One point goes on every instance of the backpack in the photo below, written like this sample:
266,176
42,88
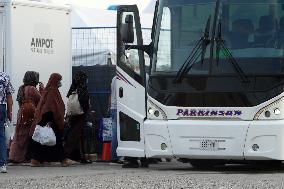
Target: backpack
73,105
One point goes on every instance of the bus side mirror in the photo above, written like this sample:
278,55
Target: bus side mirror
127,30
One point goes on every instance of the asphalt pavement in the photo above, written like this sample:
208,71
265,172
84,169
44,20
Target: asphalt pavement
162,175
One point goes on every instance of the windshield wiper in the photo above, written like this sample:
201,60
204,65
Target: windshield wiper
198,50
221,46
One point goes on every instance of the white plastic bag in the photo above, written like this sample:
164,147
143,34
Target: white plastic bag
9,132
44,135
73,105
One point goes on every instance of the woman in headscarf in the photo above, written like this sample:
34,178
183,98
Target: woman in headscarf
74,138
50,111
28,98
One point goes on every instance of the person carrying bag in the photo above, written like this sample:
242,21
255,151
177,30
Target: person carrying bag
73,105
44,135
78,106
50,112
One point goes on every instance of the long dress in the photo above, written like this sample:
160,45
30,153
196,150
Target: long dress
74,146
20,142
43,153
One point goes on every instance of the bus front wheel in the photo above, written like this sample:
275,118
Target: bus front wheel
206,163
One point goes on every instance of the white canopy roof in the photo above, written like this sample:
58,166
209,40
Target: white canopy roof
92,17
94,13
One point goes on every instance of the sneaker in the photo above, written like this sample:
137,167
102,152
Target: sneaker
84,161
118,161
130,165
144,164
3,169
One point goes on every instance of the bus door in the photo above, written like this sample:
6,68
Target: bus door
130,83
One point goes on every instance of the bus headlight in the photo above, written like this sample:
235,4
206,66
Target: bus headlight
151,111
272,111
154,112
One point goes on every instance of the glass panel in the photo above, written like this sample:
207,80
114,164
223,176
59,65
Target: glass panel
131,56
164,52
181,29
253,31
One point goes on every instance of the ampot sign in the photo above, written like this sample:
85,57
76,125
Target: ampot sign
42,46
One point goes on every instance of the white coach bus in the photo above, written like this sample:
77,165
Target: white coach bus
216,81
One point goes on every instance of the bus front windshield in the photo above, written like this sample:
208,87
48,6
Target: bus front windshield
252,30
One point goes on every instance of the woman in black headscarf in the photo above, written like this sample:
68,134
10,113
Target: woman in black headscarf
74,138
28,97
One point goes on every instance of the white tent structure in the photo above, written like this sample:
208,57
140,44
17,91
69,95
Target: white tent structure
92,17
150,8
94,13
93,33
96,46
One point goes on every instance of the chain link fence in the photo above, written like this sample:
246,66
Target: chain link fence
97,45
92,50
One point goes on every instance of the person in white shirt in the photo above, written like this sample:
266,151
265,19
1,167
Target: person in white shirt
6,103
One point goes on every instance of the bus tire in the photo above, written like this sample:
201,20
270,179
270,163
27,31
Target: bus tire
269,164
206,163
